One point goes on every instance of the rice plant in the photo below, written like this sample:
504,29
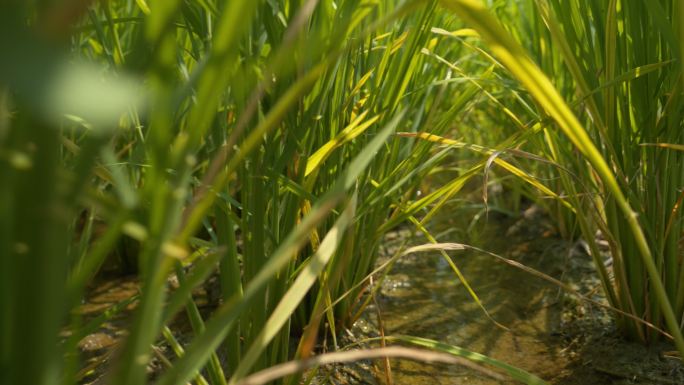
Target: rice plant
611,84
634,116
274,143
251,137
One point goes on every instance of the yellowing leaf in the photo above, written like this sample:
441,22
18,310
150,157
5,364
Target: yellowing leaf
354,129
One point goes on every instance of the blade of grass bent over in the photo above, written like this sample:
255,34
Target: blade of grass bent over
512,371
269,375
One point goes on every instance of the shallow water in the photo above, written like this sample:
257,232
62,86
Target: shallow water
423,297
542,330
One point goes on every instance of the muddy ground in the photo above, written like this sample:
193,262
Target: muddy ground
552,334
543,329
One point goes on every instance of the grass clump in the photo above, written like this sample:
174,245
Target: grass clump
186,135
612,89
276,142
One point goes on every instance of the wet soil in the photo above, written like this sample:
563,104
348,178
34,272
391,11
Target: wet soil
98,350
543,330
